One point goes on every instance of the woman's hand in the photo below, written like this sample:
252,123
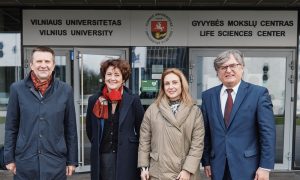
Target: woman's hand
145,173
184,175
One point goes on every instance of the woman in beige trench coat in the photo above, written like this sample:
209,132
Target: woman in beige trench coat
172,133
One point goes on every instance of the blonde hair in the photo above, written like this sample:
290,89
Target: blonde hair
185,98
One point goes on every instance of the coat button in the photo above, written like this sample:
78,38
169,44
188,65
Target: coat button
41,136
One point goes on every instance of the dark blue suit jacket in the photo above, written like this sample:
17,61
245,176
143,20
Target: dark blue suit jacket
249,140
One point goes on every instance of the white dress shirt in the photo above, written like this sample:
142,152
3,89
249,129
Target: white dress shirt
224,95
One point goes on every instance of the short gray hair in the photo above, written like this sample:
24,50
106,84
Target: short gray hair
224,56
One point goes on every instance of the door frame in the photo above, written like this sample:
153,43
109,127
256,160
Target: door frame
78,97
290,84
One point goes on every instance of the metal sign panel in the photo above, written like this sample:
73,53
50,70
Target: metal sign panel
243,28
160,28
76,27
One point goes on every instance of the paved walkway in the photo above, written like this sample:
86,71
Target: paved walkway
290,175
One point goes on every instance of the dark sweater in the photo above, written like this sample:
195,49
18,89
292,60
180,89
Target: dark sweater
110,131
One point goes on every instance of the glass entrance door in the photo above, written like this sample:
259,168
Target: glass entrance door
87,81
271,68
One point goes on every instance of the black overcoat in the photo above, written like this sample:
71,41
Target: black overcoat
40,132
131,116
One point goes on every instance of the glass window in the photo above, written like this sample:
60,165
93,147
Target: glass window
60,68
148,64
10,71
297,124
10,57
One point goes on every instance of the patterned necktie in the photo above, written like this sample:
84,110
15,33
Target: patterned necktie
228,107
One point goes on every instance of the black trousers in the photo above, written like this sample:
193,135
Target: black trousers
108,166
227,175
2,166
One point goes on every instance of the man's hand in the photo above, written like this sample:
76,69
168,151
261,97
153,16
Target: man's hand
184,175
207,171
262,174
70,170
11,167
144,173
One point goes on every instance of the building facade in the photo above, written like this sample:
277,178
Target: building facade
152,40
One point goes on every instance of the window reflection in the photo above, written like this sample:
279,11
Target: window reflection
297,124
60,68
148,64
10,71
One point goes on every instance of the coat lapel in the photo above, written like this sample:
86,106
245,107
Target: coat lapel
242,92
182,114
217,104
125,105
167,113
178,119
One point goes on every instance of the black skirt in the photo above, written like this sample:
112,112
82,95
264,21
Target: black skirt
108,166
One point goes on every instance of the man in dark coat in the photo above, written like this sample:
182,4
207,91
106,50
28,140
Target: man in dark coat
40,130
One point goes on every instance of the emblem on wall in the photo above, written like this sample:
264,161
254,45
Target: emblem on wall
159,28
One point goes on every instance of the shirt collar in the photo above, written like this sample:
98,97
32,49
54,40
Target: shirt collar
235,88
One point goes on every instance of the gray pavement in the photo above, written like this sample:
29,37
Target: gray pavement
277,175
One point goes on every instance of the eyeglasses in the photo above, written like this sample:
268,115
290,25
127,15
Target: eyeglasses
231,66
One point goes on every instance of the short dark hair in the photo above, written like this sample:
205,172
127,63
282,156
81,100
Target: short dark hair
123,65
42,49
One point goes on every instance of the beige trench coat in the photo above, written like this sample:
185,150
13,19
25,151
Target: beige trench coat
168,143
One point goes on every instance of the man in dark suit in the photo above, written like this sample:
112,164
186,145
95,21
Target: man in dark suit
239,124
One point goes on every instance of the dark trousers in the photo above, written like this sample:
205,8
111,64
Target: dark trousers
2,166
227,175
108,166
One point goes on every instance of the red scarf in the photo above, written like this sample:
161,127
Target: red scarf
40,86
100,109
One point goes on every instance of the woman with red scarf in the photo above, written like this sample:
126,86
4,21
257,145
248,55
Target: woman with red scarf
113,121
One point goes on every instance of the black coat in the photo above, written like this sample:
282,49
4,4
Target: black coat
130,119
40,132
